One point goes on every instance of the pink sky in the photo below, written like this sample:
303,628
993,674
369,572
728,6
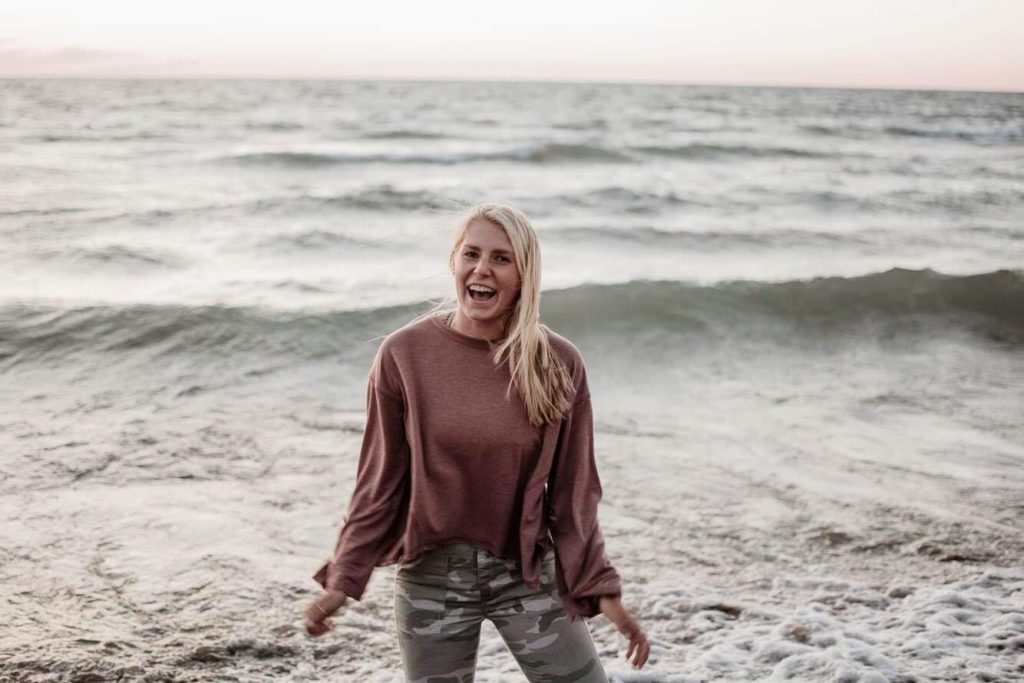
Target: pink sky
871,43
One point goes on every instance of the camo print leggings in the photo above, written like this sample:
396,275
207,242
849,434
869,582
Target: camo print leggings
443,596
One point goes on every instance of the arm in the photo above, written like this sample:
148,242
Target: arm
583,571
375,518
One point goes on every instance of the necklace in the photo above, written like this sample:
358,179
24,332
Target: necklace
448,318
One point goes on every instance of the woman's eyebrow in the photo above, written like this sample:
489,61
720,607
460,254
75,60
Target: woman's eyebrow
496,251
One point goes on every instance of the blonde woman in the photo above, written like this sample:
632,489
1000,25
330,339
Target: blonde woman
477,477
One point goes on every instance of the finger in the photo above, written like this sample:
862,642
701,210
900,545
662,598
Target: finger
639,643
314,628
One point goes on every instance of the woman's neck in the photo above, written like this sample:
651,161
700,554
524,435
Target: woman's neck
471,328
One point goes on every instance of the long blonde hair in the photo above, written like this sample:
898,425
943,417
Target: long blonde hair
539,374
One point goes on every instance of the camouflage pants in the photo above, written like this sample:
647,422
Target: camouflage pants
442,598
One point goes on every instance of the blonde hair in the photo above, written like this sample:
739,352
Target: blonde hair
539,374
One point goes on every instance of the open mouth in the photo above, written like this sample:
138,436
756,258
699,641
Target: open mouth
481,293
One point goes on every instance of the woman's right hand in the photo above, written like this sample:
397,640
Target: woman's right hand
318,613
612,607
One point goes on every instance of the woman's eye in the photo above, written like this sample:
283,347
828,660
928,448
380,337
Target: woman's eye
473,254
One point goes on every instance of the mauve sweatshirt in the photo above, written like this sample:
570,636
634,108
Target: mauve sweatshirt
447,458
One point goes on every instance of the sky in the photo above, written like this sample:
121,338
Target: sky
961,45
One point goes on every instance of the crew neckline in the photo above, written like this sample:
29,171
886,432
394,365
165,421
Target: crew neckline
462,338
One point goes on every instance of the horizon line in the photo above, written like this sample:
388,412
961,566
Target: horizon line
399,79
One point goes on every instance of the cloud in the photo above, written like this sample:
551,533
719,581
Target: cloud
77,60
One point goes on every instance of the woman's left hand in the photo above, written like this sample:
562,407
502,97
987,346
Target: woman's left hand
318,613
612,607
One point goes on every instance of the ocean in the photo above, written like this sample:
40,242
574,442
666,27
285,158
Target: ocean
802,313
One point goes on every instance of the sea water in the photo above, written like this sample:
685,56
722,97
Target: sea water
802,312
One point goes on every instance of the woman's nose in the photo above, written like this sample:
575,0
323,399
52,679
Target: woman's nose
481,267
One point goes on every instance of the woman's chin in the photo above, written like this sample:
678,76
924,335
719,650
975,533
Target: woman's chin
481,311
472,305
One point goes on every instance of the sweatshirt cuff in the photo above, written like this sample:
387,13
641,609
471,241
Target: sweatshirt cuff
332,577
586,606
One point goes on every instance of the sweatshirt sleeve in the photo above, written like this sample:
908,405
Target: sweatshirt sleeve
582,569
374,523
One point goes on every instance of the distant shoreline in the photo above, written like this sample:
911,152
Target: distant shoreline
517,81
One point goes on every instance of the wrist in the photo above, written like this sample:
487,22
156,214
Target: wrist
335,599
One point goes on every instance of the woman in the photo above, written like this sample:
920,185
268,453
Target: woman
477,476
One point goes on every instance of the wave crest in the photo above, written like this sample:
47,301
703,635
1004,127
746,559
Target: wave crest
901,301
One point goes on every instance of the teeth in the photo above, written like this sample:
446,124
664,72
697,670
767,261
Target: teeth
480,288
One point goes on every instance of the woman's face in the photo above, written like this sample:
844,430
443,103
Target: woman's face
485,261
